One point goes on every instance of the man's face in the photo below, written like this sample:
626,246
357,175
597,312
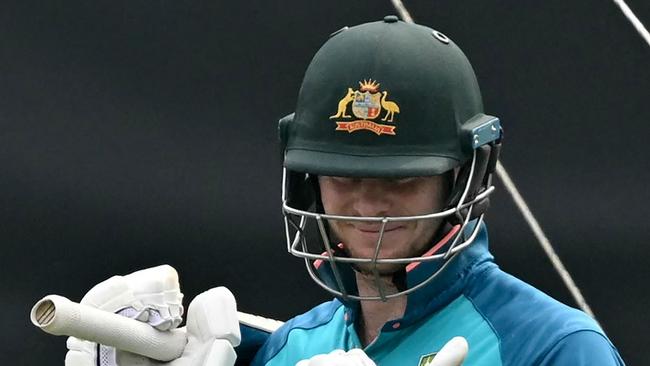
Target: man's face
378,197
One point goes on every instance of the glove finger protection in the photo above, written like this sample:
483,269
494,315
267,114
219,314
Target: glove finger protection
158,290
453,353
212,330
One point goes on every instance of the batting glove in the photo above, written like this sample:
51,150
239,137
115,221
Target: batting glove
153,296
354,357
452,354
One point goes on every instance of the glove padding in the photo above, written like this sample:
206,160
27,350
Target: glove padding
153,296
452,354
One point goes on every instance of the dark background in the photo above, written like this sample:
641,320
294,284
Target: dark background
135,133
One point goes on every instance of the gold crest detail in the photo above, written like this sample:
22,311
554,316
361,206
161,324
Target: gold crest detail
426,360
368,103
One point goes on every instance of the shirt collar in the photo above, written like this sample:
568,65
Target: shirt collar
451,281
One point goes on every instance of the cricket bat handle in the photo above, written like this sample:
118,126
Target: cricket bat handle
59,316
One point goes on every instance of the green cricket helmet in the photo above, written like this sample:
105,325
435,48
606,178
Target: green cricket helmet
385,99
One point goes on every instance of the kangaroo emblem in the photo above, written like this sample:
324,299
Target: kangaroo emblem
343,105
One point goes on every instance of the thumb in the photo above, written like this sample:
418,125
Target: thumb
453,353
213,315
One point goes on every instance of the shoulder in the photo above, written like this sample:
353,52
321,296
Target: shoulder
528,323
301,330
583,348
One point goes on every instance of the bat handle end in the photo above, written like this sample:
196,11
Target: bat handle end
45,311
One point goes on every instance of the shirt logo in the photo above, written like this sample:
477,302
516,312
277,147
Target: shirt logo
368,103
427,359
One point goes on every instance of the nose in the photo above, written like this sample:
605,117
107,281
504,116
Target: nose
372,198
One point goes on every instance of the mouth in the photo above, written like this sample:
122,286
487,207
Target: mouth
376,229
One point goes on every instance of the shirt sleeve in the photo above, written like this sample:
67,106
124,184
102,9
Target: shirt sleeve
252,340
581,349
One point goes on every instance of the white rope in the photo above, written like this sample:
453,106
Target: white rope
401,9
543,240
629,14
525,211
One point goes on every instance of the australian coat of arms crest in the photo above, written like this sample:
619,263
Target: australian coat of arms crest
368,103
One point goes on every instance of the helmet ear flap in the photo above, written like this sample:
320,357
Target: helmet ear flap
301,190
480,170
480,180
486,158
283,131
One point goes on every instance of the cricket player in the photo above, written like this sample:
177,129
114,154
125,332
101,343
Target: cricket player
388,161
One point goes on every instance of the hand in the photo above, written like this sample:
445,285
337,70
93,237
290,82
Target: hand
354,357
153,296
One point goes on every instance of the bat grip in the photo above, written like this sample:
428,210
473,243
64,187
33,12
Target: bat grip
59,316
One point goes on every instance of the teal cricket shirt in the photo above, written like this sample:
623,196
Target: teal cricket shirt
505,321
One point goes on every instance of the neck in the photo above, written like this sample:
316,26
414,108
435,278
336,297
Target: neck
374,314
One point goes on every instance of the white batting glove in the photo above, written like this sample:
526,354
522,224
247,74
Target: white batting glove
354,357
153,296
453,353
